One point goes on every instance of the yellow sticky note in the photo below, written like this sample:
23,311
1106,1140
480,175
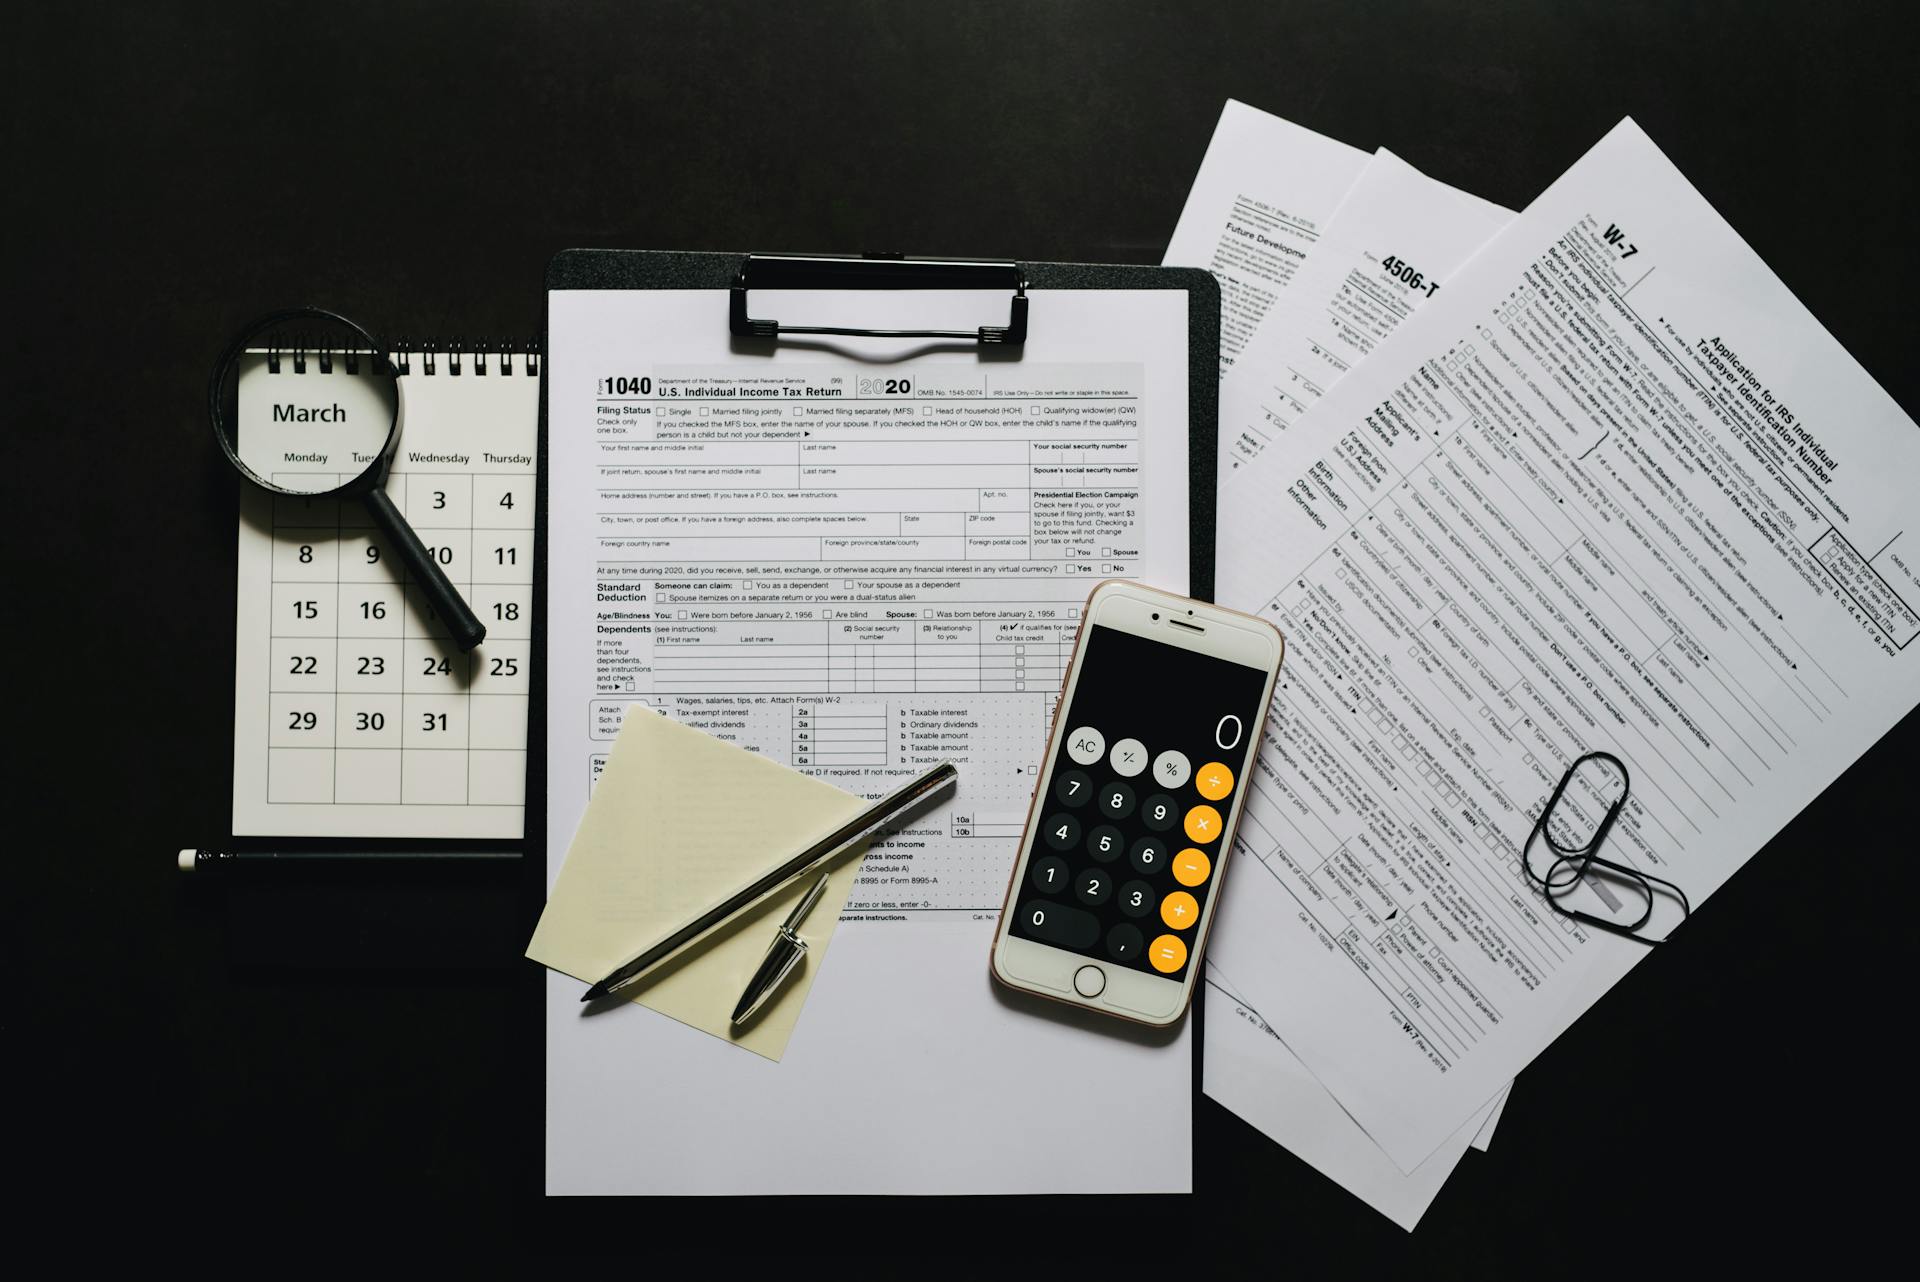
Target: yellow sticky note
680,820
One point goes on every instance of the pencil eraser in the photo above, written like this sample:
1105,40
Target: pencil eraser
187,859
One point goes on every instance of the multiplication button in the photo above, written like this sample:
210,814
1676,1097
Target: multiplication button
1086,745
1203,824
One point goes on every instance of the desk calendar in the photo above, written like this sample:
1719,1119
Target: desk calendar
354,716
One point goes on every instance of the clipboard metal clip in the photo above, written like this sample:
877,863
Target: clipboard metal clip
877,271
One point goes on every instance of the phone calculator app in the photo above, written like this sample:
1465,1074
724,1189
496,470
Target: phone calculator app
1128,845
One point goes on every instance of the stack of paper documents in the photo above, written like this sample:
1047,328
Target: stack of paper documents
1516,489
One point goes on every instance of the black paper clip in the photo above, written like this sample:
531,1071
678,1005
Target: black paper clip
1574,866
878,271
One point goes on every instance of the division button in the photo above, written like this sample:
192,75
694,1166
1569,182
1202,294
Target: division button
1159,812
1203,824
1214,781
1167,954
1062,832
1073,787
1171,769
1061,924
1129,758
1191,867
1094,887
1049,874
1091,981
1085,745
1116,800
1179,910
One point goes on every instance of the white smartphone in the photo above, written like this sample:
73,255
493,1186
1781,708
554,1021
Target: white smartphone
1133,814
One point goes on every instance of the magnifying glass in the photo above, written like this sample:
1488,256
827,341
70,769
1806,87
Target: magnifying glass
326,428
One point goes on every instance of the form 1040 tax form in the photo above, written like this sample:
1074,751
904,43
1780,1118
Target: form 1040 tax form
860,564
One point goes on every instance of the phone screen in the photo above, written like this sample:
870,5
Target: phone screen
1128,844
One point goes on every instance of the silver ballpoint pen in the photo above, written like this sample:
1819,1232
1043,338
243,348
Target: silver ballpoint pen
878,821
783,954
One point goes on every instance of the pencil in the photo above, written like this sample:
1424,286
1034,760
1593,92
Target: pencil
206,861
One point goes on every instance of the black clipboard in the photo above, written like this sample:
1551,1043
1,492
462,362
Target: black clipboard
753,283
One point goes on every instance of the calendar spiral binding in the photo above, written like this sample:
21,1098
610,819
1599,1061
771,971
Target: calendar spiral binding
410,351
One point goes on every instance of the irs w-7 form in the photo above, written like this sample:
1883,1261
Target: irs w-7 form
859,565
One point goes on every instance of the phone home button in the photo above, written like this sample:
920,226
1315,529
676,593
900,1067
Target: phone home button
1089,981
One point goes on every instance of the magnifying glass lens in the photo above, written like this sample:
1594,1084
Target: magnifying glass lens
306,402
309,407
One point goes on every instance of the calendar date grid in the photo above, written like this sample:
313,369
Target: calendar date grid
369,702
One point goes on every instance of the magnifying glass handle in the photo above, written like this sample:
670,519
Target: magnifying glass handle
466,630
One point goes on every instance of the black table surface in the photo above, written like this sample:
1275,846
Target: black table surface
279,1066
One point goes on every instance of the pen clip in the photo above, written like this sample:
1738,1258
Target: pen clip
783,954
